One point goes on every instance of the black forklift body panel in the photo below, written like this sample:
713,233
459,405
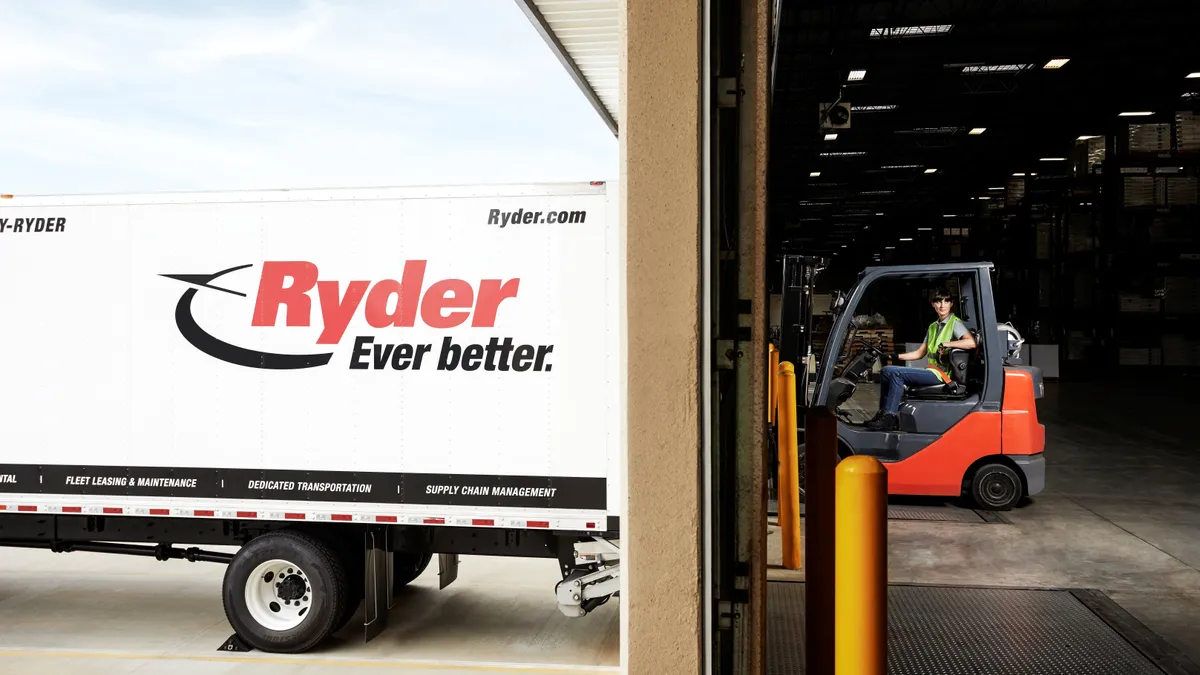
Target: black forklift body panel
923,419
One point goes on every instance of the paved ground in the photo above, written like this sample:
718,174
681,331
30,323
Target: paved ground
92,613
1121,513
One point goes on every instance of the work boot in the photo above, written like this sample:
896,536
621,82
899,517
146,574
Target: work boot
885,422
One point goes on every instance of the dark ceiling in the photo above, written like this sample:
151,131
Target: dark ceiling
1126,55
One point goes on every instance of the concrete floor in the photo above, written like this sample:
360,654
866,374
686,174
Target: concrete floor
93,613
1121,513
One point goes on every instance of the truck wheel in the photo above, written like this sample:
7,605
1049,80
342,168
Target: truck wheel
996,487
284,592
354,562
407,566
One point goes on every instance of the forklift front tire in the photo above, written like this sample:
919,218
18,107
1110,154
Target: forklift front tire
996,487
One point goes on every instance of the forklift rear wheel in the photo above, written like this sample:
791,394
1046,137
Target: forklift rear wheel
996,487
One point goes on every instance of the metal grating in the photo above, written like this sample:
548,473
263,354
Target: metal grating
946,514
934,630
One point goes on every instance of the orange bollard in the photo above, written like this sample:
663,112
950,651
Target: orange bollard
789,467
772,385
860,577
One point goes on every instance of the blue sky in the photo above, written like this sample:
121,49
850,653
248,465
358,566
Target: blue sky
124,95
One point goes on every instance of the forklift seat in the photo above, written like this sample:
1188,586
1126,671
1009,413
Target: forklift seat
963,364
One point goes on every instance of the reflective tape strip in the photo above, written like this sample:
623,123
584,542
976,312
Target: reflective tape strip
476,521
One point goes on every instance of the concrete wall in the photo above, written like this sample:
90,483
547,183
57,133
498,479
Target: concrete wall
661,199
752,286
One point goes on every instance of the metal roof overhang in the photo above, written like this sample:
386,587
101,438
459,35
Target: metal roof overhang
584,35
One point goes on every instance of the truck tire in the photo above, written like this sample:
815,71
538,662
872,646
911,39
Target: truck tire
996,487
407,566
354,562
284,592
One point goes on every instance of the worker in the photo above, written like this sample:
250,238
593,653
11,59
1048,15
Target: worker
948,332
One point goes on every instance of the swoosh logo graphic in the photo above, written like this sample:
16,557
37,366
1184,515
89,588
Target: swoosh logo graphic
219,349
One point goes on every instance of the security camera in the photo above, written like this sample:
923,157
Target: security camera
835,115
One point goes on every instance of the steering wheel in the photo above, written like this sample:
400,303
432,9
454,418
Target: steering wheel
870,347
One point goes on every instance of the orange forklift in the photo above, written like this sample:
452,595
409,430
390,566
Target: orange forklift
976,436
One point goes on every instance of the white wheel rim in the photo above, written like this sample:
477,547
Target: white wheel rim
279,595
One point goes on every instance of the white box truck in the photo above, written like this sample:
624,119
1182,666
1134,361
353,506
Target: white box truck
340,383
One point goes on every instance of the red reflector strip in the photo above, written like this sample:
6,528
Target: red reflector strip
341,516
591,526
435,521
72,509
247,514
26,508
537,523
3,507
200,512
116,510
294,516
385,519
480,521
160,512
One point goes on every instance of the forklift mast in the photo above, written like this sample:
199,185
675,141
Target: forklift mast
795,342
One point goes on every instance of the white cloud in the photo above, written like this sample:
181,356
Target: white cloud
126,95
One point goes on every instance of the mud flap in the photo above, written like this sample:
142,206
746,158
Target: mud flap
447,569
377,595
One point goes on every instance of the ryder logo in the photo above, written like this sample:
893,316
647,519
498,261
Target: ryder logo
291,288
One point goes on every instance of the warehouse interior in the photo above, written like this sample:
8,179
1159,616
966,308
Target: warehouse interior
1060,141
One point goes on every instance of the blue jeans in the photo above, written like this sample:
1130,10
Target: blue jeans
894,378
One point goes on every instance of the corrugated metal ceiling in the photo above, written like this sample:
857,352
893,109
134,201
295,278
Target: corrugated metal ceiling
584,36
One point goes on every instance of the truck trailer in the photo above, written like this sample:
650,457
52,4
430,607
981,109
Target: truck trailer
339,383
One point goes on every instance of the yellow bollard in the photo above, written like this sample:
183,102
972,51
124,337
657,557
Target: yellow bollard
860,577
789,473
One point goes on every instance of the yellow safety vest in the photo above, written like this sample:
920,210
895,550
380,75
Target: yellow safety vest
933,339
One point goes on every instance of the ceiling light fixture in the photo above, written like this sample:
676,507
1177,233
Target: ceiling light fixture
1193,76
1086,138
925,229
843,246
856,75
1019,175
905,238
890,248
1054,64
950,215
930,130
910,31
814,174
831,137
879,214
846,153
1006,68
996,188
977,131
931,170
902,166
1054,159
1139,113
